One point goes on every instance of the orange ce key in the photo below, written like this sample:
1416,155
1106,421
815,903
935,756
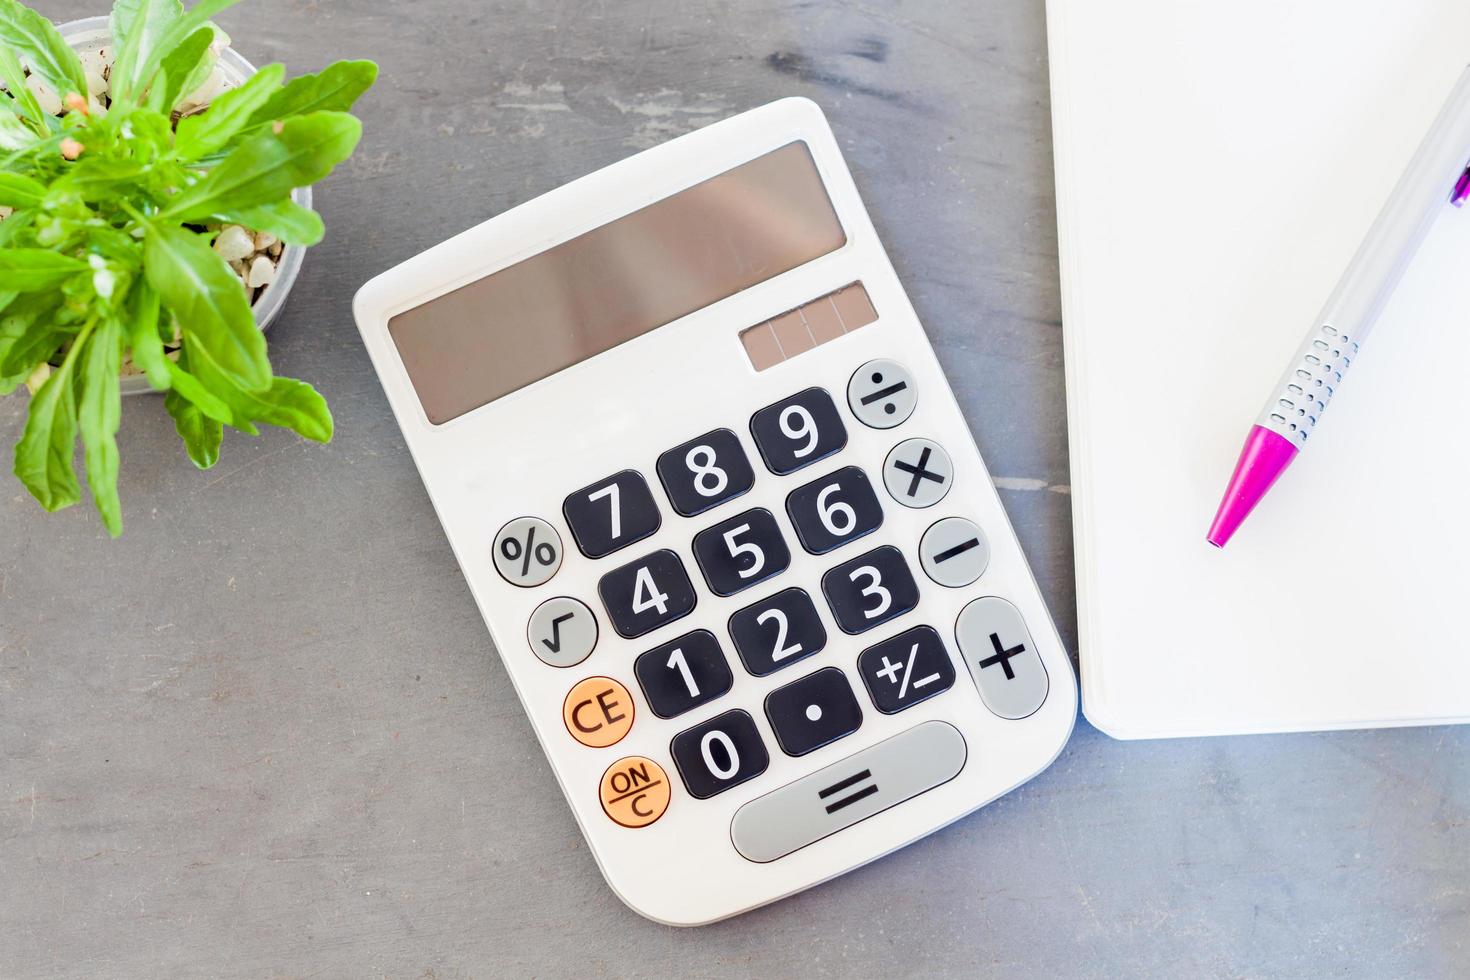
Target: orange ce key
635,791
598,712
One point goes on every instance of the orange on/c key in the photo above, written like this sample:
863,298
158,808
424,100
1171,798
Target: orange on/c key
635,791
598,712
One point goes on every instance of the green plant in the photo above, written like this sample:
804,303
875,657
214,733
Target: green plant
107,253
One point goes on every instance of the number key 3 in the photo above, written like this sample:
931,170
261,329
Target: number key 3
870,589
705,472
611,513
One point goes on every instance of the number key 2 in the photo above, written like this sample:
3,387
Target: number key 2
798,431
834,510
705,472
740,551
683,674
645,594
611,513
870,589
777,632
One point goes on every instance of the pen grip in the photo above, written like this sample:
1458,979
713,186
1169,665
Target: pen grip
1307,387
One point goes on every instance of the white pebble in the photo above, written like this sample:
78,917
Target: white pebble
96,59
96,84
206,93
234,243
49,100
264,240
262,272
5,212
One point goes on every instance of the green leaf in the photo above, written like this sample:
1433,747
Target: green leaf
93,178
334,89
179,66
14,133
35,41
268,166
192,389
14,78
17,191
209,303
288,403
202,435
27,270
143,337
287,220
202,134
99,412
173,35
43,454
28,335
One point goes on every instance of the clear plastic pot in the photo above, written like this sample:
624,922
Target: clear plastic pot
94,32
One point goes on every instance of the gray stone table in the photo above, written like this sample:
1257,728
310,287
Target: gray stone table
265,734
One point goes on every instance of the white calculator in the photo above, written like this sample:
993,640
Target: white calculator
723,517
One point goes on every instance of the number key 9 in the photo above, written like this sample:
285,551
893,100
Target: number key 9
798,431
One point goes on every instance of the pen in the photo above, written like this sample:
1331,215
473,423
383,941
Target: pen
1439,174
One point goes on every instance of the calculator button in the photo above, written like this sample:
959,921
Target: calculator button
705,472
611,513
1002,657
834,510
812,712
527,552
562,632
598,712
740,551
645,594
848,792
719,754
635,791
798,431
881,394
870,589
683,673
911,667
918,473
777,632
954,552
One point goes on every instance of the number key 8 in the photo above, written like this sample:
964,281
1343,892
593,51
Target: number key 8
705,472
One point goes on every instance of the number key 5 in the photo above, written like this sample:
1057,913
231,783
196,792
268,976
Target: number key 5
705,472
741,551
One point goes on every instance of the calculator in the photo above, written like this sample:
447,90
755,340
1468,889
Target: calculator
723,517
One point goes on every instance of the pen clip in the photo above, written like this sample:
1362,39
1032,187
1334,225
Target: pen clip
1461,192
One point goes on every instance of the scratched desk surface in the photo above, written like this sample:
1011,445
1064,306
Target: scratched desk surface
265,734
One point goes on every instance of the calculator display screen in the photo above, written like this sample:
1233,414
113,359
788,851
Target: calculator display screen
609,285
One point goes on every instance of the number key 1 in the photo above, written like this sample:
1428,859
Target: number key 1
705,472
683,674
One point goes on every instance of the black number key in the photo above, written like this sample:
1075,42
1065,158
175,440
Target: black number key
740,551
777,632
834,510
812,712
611,513
911,667
645,594
683,673
705,472
798,431
723,752
870,589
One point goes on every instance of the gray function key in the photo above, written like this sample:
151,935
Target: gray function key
847,792
562,632
1002,657
954,552
881,394
918,473
527,552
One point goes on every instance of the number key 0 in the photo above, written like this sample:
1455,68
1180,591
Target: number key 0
705,472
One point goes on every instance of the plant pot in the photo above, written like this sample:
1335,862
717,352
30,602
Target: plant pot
92,33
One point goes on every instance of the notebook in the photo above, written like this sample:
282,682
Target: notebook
1217,166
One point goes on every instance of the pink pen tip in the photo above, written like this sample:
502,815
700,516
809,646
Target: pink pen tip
1263,459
